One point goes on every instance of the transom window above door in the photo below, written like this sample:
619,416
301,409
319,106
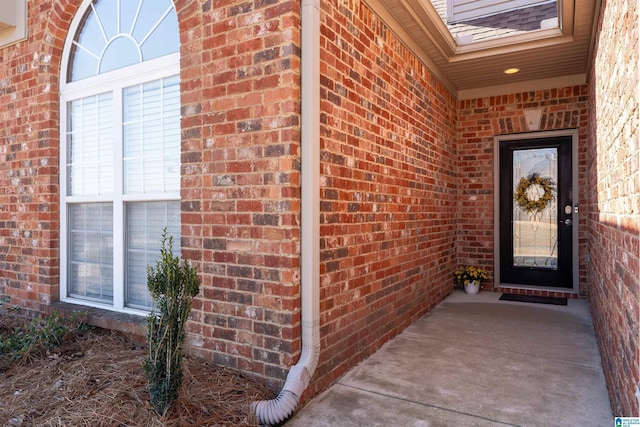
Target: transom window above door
120,150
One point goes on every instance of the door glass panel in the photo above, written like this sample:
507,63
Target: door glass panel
535,212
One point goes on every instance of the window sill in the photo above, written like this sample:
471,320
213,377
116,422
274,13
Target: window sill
134,327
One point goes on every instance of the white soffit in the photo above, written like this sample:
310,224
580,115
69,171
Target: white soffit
525,86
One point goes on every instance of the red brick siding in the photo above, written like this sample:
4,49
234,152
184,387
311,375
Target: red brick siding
240,67
388,187
407,185
29,141
479,121
240,173
614,194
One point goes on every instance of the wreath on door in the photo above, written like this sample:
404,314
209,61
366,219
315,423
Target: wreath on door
534,193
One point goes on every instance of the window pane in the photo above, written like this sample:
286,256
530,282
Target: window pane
92,40
84,64
106,41
140,140
91,251
151,16
144,224
152,137
107,11
128,15
90,146
132,105
158,44
121,52
535,232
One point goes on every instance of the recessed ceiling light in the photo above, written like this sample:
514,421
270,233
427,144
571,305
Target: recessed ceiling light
511,70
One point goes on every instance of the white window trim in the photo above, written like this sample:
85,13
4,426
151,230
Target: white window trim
142,72
100,85
113,81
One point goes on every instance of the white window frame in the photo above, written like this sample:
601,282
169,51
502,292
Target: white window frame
115,82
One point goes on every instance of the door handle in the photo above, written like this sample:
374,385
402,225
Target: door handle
568,222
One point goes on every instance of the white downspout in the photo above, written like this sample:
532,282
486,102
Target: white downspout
270,412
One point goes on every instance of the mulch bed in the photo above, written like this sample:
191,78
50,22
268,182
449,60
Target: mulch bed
96,379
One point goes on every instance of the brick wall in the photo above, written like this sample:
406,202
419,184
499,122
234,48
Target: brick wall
240,173
29,138
614,190
388,196
479,121
407,181
240,65
387,190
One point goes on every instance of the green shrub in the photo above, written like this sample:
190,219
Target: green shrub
33,339
6,311
172,286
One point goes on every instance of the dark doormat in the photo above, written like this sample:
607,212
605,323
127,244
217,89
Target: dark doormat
533,299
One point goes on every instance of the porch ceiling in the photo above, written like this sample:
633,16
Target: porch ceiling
546,58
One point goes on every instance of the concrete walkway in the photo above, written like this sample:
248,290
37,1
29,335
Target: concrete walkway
476,361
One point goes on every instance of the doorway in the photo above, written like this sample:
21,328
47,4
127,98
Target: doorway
537,211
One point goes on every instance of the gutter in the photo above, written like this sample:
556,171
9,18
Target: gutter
275,411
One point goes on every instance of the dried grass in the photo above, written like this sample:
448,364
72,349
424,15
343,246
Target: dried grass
96,379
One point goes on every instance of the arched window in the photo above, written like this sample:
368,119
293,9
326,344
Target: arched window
120,149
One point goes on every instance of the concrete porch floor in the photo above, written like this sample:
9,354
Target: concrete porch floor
476,361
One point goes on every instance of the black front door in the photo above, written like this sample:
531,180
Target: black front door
536,212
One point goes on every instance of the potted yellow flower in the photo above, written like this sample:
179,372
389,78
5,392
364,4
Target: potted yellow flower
470,277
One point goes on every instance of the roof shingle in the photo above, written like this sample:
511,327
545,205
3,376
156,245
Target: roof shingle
499,25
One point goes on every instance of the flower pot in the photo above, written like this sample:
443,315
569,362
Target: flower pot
472,287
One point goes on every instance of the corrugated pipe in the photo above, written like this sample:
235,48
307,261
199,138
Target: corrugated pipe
272,412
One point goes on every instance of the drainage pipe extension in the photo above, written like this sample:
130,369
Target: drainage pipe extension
270,412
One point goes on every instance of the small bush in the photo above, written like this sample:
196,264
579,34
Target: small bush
6,313
172,286
35,338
